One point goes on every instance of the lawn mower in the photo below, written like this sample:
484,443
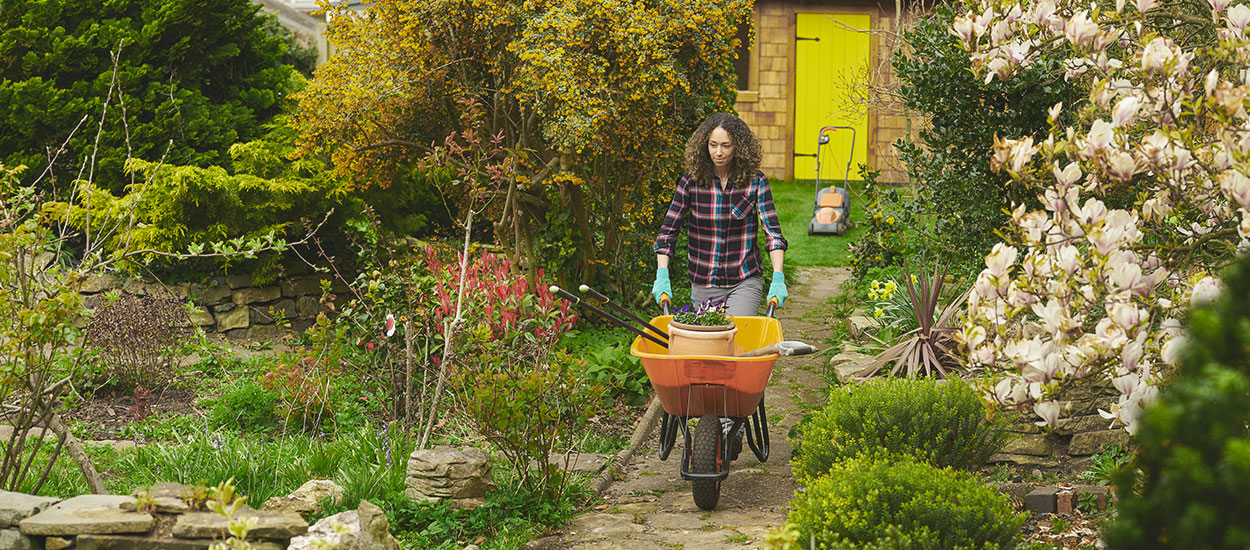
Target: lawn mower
831,215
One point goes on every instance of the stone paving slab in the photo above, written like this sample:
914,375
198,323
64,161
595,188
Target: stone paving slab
15,507
87,514
130,542
273,525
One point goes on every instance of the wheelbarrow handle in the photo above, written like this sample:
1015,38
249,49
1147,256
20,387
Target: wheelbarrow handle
601,300
772,307
612,318
666,305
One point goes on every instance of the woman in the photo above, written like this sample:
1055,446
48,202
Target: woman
725,197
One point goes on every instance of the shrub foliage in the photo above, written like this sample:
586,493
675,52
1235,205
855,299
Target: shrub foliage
899,503
1193,447
940,423
202,75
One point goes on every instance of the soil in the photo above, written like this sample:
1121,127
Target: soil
106,413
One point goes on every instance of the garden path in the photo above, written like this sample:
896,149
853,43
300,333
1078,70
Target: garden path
651,507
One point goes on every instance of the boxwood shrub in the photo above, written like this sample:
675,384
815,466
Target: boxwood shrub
942,423
900,503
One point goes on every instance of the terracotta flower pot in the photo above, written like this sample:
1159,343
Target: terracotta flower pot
686,339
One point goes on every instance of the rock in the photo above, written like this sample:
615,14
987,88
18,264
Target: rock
12,539
448,472
244,296
236,318
365,528
307,306
471,547
1082,424
1092,442
15,507
130,542
263,332
849,364
1041,500
87,514
550,542
214,294
239,281
142,288
466,503
307,499
269,525
57,543
201,317
1028,444
1022,460
167,495
301,286
100,283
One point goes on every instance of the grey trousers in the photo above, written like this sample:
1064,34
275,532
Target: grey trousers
741,299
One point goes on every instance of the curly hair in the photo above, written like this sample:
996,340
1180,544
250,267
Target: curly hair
747,151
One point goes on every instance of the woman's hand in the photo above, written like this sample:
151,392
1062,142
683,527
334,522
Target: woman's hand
661,286
778,289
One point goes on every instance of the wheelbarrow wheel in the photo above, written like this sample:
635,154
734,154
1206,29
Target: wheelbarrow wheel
704,457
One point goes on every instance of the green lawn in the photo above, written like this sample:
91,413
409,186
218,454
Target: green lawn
794,201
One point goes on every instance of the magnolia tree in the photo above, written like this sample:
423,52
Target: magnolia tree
1143,190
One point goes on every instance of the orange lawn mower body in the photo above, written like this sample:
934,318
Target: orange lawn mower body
831,214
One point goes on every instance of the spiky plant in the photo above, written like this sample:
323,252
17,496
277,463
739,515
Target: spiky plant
929,347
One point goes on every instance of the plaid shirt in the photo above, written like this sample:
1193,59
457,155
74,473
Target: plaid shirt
722,229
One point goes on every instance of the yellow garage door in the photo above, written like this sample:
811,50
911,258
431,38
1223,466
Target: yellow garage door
830,57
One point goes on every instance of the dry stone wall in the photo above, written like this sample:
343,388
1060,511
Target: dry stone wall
235,306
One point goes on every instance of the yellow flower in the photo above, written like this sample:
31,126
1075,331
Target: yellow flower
890,220
913,279
877,313
872,295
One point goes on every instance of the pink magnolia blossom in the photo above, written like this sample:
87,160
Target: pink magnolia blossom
1218,5
1206,291
1001,258
1144,6
1122,165
1080,30
1157,54
1237,186
1125,111
1049,411
1239,18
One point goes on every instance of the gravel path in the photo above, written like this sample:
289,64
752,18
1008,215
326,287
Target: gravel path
650,506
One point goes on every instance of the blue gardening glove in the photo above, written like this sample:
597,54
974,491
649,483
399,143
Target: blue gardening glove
661,285
778,289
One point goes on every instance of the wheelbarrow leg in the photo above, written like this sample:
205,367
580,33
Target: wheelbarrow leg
757,433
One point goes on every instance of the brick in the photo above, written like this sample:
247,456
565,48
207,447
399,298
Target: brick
1041,500
772,49
1064,501
772,77
1101,495
764,118
770,91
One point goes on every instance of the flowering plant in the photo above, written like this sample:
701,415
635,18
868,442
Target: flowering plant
706,314
1142,196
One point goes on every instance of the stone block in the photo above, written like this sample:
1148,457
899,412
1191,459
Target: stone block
201,317
1082,424
100,283
279,525
239,281
284,308
12,539
232,319
1023,460
236,334
214,294
144,288
57,543
130,542
167,495
365,528
244,296
1041,500
15,507
307,499
1028,444
263,332
301,286
87,514
307,306
1093,442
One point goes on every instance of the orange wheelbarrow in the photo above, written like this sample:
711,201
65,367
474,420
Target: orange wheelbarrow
725,393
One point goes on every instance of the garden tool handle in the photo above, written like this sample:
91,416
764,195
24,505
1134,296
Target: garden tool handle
666,305
602,300
612,318
772,307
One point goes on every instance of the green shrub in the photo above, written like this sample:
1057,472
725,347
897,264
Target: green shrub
1193,446
900,503
249,406
941,423
615,368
